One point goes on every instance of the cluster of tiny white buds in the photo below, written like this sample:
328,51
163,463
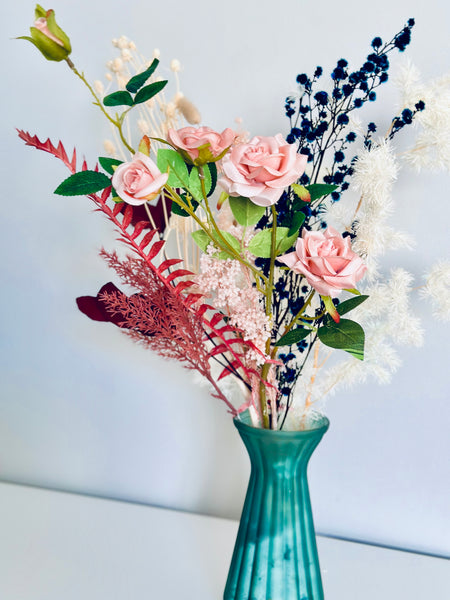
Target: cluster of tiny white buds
115,65
122,42
126,55
175,65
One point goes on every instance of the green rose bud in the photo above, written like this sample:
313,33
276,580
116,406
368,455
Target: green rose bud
47,36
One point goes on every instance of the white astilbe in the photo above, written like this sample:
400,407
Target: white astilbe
437,289
231,289
375,171
431,149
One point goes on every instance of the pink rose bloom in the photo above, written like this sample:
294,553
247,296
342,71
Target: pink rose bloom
139,180
326,260
261,169
190,139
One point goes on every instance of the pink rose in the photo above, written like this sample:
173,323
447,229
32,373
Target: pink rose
326,260
201,144
261,169
139,180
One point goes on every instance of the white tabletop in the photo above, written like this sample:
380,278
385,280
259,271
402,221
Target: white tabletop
60,546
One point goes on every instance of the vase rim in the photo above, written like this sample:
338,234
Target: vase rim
319,428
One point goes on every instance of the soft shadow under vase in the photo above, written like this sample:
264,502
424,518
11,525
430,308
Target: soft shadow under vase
275,555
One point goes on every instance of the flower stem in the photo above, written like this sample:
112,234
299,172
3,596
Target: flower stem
116,122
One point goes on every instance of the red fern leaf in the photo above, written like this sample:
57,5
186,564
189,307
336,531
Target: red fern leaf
191,299
105,194
47,146
184,285
216,319
127,216
117,208
220,349
147,239
138,229
229,370
154,249
178,273
170,262
84,166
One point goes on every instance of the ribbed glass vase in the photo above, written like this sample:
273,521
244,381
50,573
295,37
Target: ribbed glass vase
275,555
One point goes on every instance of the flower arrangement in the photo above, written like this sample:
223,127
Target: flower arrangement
235,270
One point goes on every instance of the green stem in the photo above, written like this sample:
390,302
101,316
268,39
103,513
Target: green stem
268,293
116,122
224,245
296,318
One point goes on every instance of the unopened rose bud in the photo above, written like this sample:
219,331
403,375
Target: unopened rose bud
47,36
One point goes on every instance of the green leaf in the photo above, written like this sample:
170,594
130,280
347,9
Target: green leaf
297,221
245,211
195,185
212,167
202,239
346,335
261,244
136,82
108,163
121,98
169,160
287,241
149,91
350,304
83,183
232,241
180,211
347,306
318,190
293,336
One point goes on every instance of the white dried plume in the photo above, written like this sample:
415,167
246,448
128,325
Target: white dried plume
431,149
375,171
437,289
188,110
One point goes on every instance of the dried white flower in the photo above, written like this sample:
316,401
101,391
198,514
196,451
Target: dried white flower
144,126
188,110
437,289
99,88
109,147
431,149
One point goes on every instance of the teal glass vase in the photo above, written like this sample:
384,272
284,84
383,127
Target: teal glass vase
275,555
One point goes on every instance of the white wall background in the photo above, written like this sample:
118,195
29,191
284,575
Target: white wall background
83,409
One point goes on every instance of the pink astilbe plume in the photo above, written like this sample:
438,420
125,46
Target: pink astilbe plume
159,319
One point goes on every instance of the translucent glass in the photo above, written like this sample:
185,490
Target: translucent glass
275,556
